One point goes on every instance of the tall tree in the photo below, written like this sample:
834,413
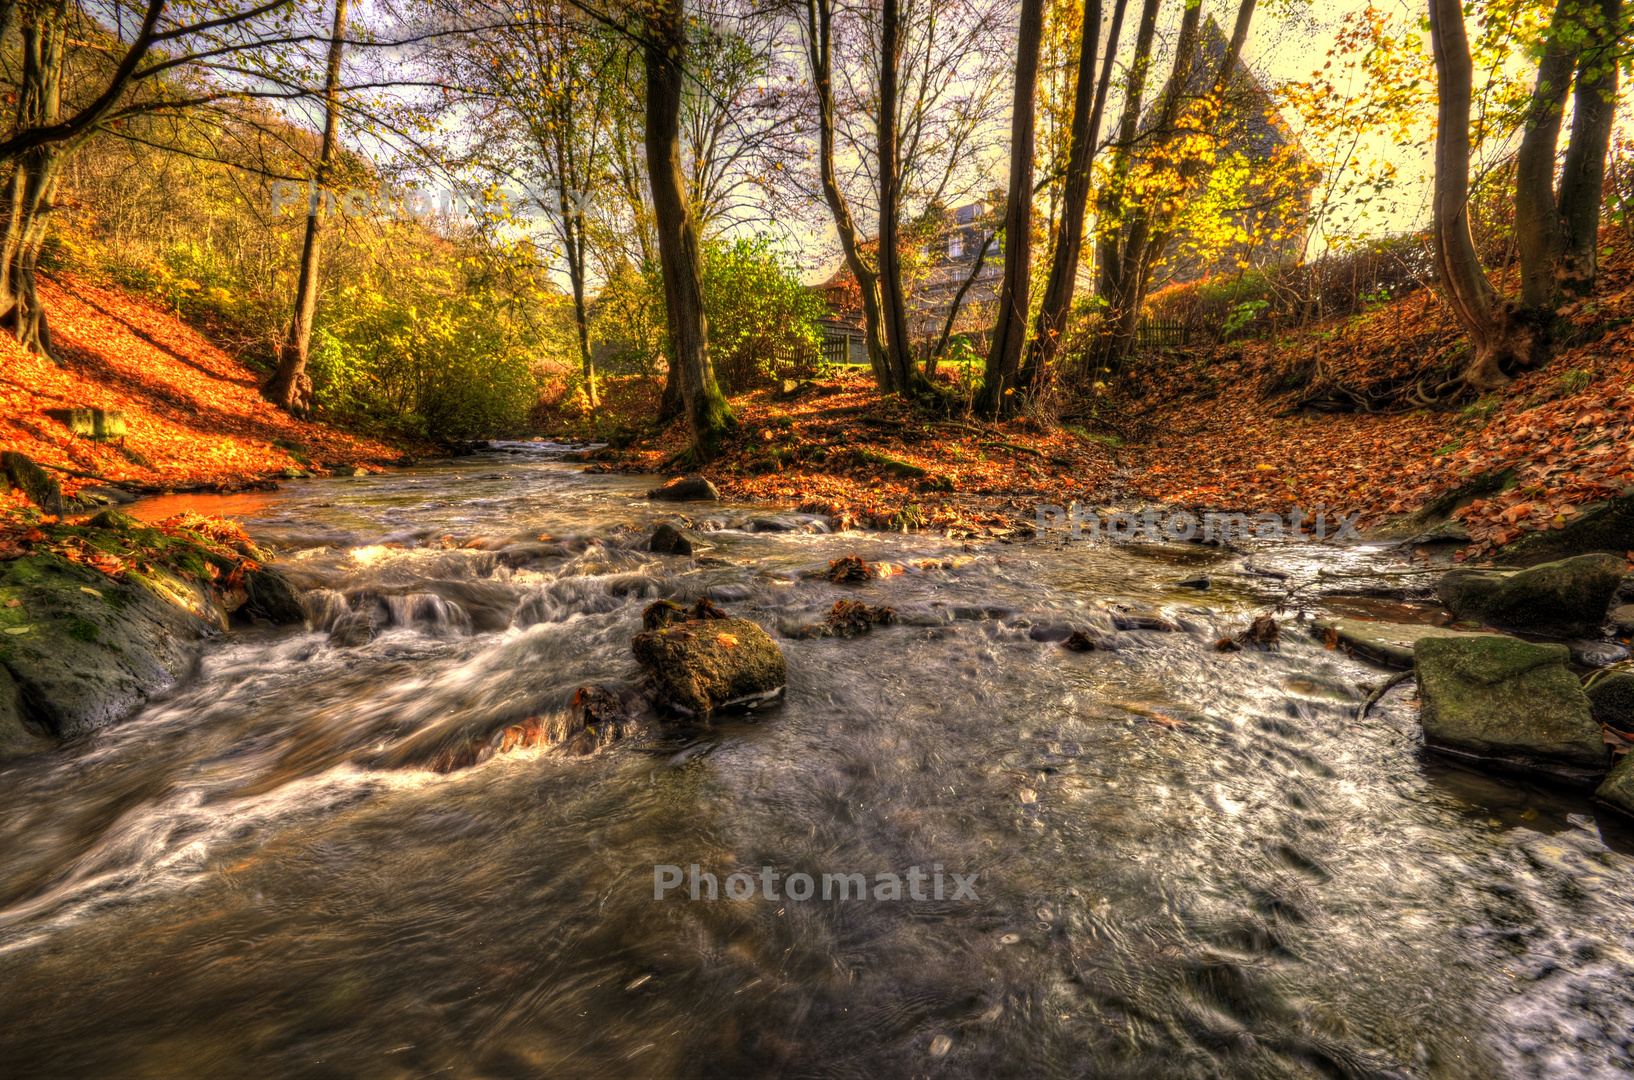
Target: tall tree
1109,207
289,388
1089,101
1497,339
664,52
893,300
1010,329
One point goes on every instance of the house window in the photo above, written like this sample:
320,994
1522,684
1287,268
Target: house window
955,245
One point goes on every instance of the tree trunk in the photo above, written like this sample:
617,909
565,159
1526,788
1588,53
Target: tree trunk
1136,258
1109,210
1497,340
581,311
679,250
1010,328
1583,177
819,16
289,388
1197,167
893,302
1089,99
32,185
1539,231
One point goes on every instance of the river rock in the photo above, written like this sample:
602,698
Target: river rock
271,595
1617,789
1562,599
1596,653
701,665
42,490
1613,700
1622,619
1499,697
686,489
81,650
669,539
355,629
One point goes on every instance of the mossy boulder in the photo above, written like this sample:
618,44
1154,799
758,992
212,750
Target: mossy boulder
42,489
80,650
1568,598
1506,699
1613,701
704,664
1617,789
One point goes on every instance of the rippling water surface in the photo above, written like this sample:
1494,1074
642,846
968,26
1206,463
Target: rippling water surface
1191,864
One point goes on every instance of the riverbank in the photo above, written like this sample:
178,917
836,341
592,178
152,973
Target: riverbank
1329,416
193,415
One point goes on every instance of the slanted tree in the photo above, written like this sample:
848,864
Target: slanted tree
1110,205
819,33
1131,232
76,79
1499,341
1089,101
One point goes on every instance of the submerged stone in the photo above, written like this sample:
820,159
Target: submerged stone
1386,643
1502,698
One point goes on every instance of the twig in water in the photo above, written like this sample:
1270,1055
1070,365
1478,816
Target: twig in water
1373,699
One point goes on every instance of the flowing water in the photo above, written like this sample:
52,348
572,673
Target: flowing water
1187,863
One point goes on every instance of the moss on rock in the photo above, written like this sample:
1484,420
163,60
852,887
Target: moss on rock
1512,700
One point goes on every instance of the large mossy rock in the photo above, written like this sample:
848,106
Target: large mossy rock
80,650
1618,787
1603,526
1507,699
703,664
1568,598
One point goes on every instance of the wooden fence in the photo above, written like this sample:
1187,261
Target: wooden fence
1157,333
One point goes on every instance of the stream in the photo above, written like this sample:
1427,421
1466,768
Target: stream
1185,863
